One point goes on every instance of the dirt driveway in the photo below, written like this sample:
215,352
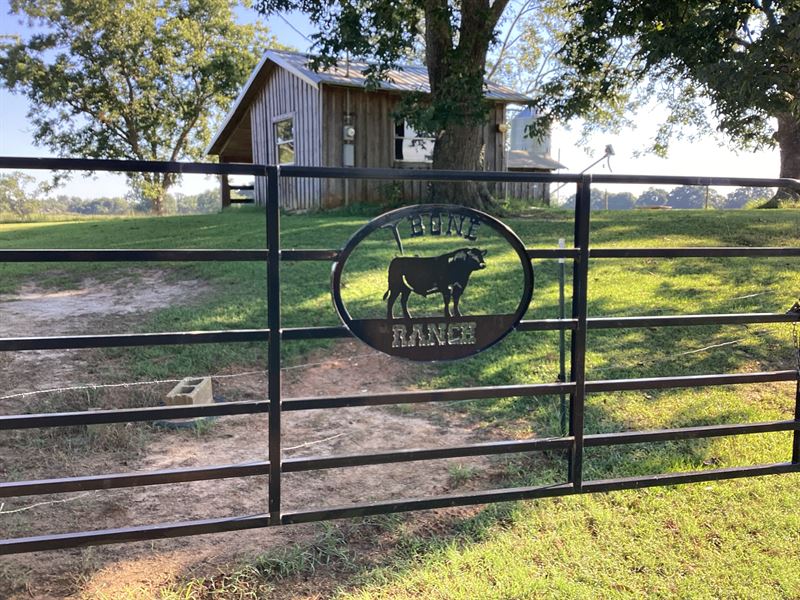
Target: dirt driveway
108,570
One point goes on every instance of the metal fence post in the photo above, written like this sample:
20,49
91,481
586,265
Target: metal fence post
796,435
562,338
274,347
580,279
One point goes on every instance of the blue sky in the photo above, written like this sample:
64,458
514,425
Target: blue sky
703,157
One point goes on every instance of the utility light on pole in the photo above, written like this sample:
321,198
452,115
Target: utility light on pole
608,152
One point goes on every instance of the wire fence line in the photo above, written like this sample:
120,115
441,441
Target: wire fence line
44,503
706,348
98,386
95,386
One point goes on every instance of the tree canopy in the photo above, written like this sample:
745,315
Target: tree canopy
652,197
138,80
739,58
741,197
16,193
457,36
692,196
526,58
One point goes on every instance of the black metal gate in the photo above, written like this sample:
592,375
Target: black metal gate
577,387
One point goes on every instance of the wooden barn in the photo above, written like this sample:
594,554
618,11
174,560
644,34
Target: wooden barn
289,114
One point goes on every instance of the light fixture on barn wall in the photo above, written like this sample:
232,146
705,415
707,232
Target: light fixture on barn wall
348,141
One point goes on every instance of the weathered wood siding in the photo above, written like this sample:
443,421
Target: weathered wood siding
494,151
318,135
374,146
529,191
285,94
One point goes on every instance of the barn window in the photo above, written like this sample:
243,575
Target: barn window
284,140
409,146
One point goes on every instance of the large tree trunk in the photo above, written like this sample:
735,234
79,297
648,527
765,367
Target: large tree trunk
459,147
788,136
154,187
456,74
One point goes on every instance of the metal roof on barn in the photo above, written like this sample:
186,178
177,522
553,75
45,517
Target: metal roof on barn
519,160
406,78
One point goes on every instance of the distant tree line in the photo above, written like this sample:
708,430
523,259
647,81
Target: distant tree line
21,196
145,80
685,196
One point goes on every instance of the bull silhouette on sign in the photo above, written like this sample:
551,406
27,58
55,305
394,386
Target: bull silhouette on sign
447,274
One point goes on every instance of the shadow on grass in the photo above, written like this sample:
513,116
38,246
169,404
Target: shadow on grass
651,286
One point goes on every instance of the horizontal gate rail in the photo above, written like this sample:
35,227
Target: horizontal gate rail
696,252
444,395
539,389
179,255
686,433
553,252
547,324
441,395
690,320
309,333
661,383
131,415
124,480
527,493
315,333
171,338
125,340
131,534
442,175
146,166
129,166
315,463
158,255
308,254
634,483
168,530
125,255
783,182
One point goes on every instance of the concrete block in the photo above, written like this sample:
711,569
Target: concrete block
192,390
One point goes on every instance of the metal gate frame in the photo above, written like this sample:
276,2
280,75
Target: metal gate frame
577,387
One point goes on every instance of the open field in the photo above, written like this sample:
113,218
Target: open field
730,539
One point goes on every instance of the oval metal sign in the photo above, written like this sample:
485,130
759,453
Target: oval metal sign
432,282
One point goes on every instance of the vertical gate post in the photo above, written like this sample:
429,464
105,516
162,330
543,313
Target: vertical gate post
226,190
796,434
274,347
562,338
580,280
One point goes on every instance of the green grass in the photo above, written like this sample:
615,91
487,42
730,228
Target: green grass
730,539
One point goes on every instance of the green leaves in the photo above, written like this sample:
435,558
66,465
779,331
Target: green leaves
457,35
141,80
739,57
